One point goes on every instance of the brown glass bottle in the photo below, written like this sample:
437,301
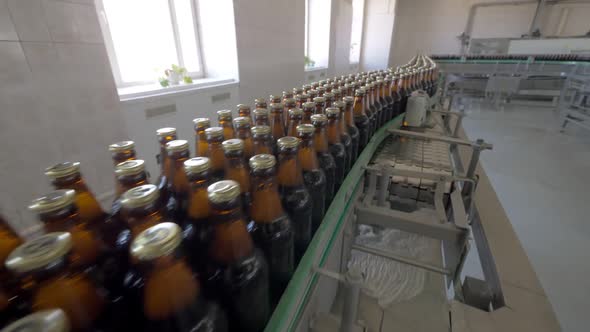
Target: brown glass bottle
263,142
288,103
271,227
45,269
297,91
215,152
178,188
171,296
67,175
243,132
141,208
261,117
51,320
403,91
236,169
277,125
370,109
320,105
337,92
320,90
329,97
345,138
274,99
337,149
312,94
295,119
224,120
296,199
165,135
395,95
244,111
361,120
260,103
313,176
301,99
201,146
378,103
306,88
122,151
129,174
386,92
327,162
308,111
238,271
58,213
10,294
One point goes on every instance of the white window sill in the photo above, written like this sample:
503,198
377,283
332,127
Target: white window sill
314,69
155,90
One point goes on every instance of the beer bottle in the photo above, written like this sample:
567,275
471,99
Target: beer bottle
122,151
327,88
170,291
130,174
348,119
335,145
288,103
321,91
313,176
308,111
224,119
287,95
274,99
260,103
315,85
165,135
141,209
379,107
242,127
215,152
306,88
326,160
337,92
178,153
271,227
345,138
295,119
301,99
277,126
198,172
51,320
201,146
44,265
9,240
10,306
244,111
312,94
403,91
297,91
329,97
395,95
361,120
241,270
236,169
261,117
67,175
263,142
370,109
320,105
296,199
386,92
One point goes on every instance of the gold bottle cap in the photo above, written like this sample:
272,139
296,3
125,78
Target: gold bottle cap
197,165
167,131
289,102
39,252
262,161
53,320
214,132
288,142
306,86
348,100
370,85
223,191
62,169
332,112
359,92
302,96
156,241
55,200
260,130
241,121
243,107
339,104
177,145
201,123
140,196
234,144
122,146
320,89
329,95
224,115
318,119
318,100
276,106
259,101
273,98
309,104
337,91
295,112
297,91
305,128
130,167
260,112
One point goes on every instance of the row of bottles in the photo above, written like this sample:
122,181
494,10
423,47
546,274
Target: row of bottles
213,242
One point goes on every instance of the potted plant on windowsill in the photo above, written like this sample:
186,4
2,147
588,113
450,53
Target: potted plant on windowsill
174,75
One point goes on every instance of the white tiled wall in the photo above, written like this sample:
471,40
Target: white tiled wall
57,99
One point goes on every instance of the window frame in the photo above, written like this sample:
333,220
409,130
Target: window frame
112,54
362,24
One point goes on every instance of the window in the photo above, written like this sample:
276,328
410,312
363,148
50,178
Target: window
317,33
356,33
144,38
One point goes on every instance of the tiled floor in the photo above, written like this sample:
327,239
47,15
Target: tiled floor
542,178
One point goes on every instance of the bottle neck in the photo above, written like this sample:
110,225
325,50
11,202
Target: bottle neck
126,182
141,218
121,156
307,113
266,203
320,140
198,204
231,241
333,131
215,153
307,154
61,220
289,169
319,108
177,175
262,144
276,124
292,127
9,240
236,169
358,107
